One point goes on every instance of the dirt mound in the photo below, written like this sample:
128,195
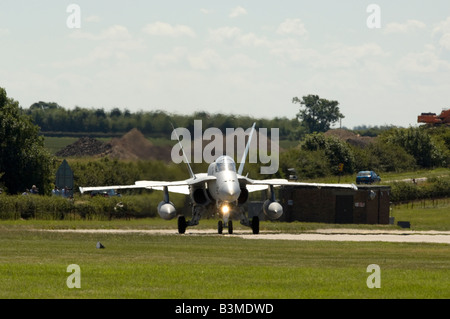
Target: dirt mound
131,146
350,137
134,145
85,146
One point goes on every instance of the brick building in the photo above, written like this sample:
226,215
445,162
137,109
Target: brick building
367,205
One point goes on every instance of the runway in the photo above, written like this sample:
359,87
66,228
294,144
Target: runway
355,235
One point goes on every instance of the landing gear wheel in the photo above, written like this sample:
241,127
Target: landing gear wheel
220,227
182,224
255,225
230,227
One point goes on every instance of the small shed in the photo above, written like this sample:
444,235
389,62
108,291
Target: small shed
367,205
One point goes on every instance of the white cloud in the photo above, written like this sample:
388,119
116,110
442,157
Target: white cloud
292,27
408,26
93,18
224,33
207,59
4,32
443,28
427,61
115,32
166,29
238,11
445,41
175,56
237,37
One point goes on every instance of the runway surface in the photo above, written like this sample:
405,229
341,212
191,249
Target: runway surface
358,235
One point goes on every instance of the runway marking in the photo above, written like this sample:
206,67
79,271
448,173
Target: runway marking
357,235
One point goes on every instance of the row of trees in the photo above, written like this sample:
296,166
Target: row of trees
394,150
315,115
24,161
51,117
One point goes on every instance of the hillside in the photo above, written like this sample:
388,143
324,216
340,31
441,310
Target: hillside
133,145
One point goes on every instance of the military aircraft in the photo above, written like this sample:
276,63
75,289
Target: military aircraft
223,189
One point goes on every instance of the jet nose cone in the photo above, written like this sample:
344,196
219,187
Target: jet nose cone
230,192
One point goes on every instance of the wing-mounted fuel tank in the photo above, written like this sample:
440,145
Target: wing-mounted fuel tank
166,209
271,208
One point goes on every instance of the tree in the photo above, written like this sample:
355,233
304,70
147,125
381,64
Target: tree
23,159
335,150
318,114
417,142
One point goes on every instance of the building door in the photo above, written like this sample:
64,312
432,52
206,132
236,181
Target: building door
344,209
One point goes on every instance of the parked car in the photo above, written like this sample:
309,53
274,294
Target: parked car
367,177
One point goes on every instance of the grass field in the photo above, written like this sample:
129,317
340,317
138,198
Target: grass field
33,262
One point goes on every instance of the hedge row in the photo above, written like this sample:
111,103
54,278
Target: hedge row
145,205
433,188
84,207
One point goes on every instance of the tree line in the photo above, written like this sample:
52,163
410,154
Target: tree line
315,115
24,161
55,119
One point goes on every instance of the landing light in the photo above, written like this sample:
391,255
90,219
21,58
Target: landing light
225,209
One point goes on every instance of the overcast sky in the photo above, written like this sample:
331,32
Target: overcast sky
384,66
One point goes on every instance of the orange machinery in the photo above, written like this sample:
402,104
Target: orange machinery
433,119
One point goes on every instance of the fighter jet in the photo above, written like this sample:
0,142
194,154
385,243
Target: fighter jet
223,189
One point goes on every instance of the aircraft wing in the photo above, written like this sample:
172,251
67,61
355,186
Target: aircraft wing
181,187
258,185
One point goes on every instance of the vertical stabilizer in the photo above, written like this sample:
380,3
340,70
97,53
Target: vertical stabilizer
191,173
244,156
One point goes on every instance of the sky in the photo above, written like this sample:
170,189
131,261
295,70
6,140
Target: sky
385,62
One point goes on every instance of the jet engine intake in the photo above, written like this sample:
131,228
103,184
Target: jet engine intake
243,197
272,209
200,196
166,210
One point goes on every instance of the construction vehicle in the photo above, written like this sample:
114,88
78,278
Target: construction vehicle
432,119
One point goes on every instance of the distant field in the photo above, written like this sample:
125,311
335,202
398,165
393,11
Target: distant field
55,144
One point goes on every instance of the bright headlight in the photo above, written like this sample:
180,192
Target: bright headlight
225,209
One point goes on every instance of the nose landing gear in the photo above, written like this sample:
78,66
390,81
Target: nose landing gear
229,225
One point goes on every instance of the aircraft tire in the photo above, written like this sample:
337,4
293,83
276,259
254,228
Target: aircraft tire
230,227
220,227
255,225
181,224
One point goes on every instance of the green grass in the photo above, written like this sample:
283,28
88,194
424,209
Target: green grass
33,264
387,177
424,214
55,144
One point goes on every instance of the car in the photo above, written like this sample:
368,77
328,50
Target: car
367,177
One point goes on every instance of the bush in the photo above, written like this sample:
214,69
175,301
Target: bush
335,150
84,207
433,188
